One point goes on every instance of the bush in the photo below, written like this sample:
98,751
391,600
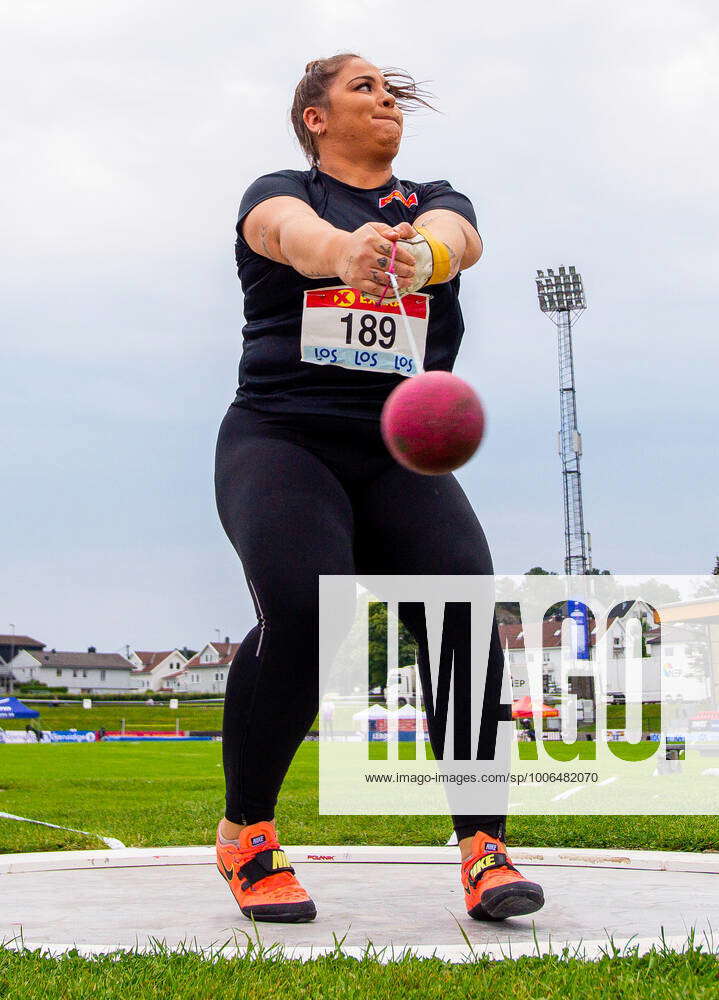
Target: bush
137,696
143,696
39,689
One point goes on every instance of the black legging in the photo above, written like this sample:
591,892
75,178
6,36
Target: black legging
306,494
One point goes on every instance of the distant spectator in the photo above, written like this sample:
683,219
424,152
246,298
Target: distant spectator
327,714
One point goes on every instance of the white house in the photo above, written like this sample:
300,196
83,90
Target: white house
206,672
153,669
80,673
513,642
10,646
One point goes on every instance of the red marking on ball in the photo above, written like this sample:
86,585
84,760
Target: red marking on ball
432,423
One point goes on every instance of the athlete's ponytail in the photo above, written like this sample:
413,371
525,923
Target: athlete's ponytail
312,91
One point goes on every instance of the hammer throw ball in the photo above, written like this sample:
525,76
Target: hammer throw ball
432,423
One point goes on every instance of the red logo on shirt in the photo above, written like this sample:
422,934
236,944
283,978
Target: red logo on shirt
410,202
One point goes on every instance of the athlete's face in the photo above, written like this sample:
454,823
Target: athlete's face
362,112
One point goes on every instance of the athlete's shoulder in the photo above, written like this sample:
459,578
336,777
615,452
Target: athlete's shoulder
288,174
294,183
279,181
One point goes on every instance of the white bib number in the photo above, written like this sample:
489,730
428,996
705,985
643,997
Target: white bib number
344,327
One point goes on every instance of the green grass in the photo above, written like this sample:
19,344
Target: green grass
136,716
111,716
155,795
617,718
192,716
658,975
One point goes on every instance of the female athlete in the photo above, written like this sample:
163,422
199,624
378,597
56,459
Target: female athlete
304,483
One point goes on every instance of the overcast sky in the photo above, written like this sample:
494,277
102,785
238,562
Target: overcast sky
583,133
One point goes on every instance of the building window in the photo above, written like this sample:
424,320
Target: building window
58,672
74,673
84,673
102,675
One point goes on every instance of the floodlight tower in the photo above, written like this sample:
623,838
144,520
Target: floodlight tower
561,297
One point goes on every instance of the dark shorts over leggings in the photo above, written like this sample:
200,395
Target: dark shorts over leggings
306,494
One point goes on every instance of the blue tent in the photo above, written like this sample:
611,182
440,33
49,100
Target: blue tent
13,708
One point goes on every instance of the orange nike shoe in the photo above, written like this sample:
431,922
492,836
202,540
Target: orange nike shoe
261,878
493,887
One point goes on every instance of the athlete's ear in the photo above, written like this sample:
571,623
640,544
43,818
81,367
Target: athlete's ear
314,119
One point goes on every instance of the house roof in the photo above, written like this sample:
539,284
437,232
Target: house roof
151,659
226,650
107,661
21,641
193,664
512,636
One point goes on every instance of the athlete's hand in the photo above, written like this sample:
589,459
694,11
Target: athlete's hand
405,230
363,257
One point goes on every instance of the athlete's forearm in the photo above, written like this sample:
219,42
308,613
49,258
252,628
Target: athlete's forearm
316,249
450,230
312,246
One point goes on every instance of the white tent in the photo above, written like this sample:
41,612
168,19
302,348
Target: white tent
375,712
407,712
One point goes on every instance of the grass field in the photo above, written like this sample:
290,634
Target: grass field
136,716
194,716
659,975
157,795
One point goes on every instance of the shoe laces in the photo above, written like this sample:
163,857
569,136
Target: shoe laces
271,881
497,875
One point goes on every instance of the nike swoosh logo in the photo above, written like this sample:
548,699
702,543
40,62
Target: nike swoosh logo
227,872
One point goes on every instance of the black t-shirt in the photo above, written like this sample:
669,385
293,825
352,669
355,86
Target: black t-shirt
272,375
